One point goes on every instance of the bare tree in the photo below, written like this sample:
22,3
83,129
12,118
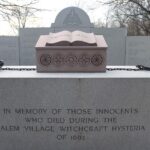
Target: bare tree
132,13
17,13
105,22
99,23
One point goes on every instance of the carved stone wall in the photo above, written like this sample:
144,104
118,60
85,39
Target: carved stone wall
72,18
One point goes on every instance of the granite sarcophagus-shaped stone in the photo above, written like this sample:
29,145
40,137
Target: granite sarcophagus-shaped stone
71,52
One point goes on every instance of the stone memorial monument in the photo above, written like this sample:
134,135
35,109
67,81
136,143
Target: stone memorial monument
74,111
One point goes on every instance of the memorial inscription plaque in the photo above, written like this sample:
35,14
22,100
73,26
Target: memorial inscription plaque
83,114
71,52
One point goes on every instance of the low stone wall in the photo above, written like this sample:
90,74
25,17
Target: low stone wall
138,50
9,50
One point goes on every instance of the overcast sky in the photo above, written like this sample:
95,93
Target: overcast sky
44,19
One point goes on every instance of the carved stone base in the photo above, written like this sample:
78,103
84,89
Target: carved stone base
71,60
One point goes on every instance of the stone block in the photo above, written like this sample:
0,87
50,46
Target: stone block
138,50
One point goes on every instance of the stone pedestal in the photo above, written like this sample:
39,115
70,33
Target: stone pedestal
74,111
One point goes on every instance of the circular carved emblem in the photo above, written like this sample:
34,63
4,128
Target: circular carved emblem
84,60
58,59
45,59
71,60
97,60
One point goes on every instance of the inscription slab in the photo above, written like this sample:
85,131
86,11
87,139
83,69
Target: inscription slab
76,113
